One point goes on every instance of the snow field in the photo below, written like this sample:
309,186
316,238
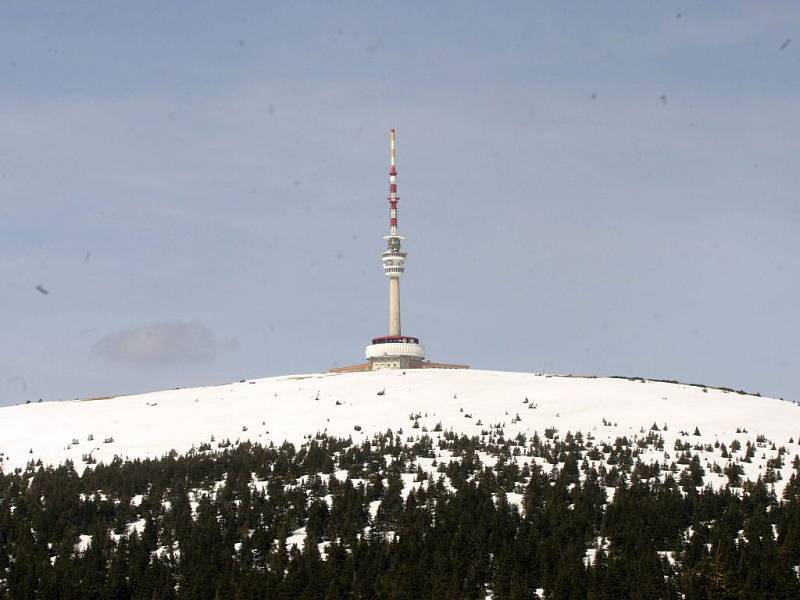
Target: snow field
291,408
414,403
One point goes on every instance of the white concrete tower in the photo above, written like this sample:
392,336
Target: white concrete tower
394,351
394,260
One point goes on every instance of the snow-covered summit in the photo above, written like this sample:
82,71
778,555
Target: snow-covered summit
360,404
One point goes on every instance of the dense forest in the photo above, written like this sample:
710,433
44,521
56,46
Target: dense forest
551,517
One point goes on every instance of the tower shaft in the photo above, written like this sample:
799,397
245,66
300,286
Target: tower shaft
394,306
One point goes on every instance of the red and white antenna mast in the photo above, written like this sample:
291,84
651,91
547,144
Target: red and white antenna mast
393,182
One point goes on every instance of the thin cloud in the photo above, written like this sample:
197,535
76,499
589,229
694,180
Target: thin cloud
164,343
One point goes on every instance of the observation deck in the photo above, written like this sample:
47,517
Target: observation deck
394,260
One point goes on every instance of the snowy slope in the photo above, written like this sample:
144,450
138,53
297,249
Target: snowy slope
468,401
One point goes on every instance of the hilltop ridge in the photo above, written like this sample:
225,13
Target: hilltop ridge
291,408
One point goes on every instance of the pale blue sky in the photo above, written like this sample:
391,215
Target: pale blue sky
585,188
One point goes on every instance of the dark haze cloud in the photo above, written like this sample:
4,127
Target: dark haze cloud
163,343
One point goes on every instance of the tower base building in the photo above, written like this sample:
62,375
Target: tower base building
395,352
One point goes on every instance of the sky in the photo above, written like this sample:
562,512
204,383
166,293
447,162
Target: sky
195,192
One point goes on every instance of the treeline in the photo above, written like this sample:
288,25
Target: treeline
197,526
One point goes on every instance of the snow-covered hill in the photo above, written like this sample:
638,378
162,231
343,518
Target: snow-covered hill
359,404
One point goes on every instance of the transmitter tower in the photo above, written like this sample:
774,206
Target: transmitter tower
396,350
